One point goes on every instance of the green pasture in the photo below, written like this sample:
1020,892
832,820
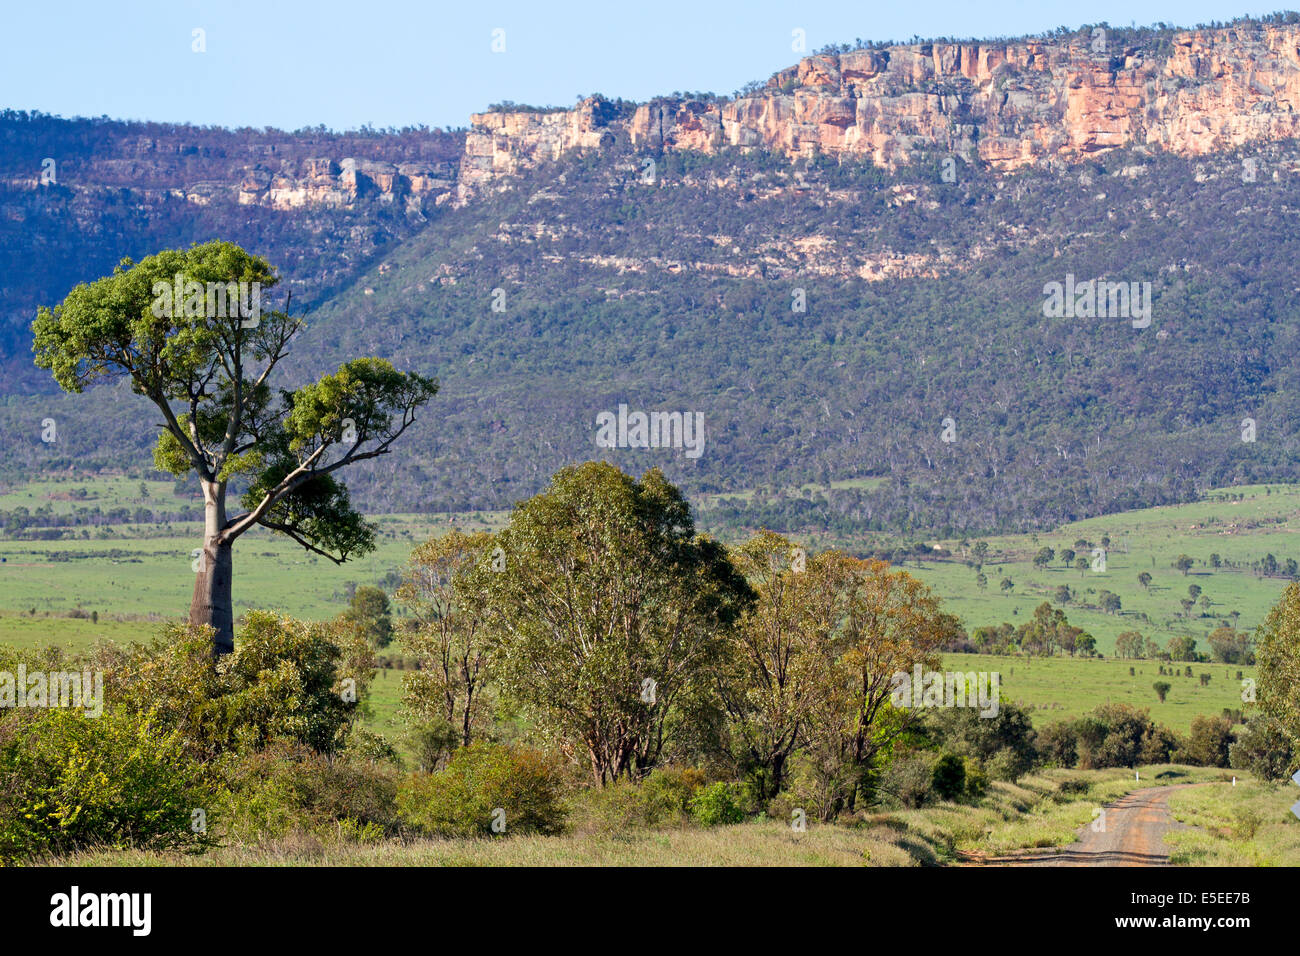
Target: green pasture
1266,521
1062,688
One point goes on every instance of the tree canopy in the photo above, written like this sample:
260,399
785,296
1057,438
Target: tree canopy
189,330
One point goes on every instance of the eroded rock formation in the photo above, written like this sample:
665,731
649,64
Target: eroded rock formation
1007,104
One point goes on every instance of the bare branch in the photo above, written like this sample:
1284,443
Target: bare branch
292,533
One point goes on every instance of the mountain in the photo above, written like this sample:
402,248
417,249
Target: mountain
78,195
1005,104
846,273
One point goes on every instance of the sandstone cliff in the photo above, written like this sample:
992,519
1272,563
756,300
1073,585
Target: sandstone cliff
268,168
1007,104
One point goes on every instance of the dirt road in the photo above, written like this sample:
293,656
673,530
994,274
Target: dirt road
1134,833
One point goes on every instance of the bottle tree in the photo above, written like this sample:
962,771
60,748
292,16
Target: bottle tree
187,327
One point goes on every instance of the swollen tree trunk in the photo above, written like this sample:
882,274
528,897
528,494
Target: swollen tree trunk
212,603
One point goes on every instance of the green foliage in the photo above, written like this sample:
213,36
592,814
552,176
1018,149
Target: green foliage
286,680
1230,646
257,741
1004,744
447,696
1182,648
204,363
1263,749
662,799
606,586
781,653
909,779
110,323
370,612
977,779
719,803
1058,745
1119,735
948,778
1278,653
1208,743
69,781
464,798
288,788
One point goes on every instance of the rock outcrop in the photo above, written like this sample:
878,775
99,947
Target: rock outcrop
324,182
1009,105
270,168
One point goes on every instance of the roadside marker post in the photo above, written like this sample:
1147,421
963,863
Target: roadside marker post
1295,807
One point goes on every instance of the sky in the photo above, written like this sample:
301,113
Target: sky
292,64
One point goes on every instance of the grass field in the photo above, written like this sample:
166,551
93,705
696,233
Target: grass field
132,576
65,496
1266,521
1035,812
142,570
1062,688
1249,824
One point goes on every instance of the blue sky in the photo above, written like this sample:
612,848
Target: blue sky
290,64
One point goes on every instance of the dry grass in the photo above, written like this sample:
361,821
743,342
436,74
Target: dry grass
763,843
1250,824
1035,812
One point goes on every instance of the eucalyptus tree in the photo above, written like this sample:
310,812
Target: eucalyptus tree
188,329
607,614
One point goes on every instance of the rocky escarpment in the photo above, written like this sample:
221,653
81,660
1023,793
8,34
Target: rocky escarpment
1009,105
277,170
324,182
76,195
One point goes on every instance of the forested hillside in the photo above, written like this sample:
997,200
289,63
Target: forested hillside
78,195
828,320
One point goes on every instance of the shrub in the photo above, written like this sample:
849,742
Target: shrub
285,680
462,799
68,782
1119,735
366,745
719,803
908,780
1005,741
977,780
288,788
663,798
1262,749
1006,765
1058,745
1159,744
669,791
1209,742
949,777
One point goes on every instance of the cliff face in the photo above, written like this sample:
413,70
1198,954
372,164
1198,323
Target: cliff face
77,195
319,181
272,169
1007,104
1010,105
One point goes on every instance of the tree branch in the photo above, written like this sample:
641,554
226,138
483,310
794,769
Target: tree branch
292,533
